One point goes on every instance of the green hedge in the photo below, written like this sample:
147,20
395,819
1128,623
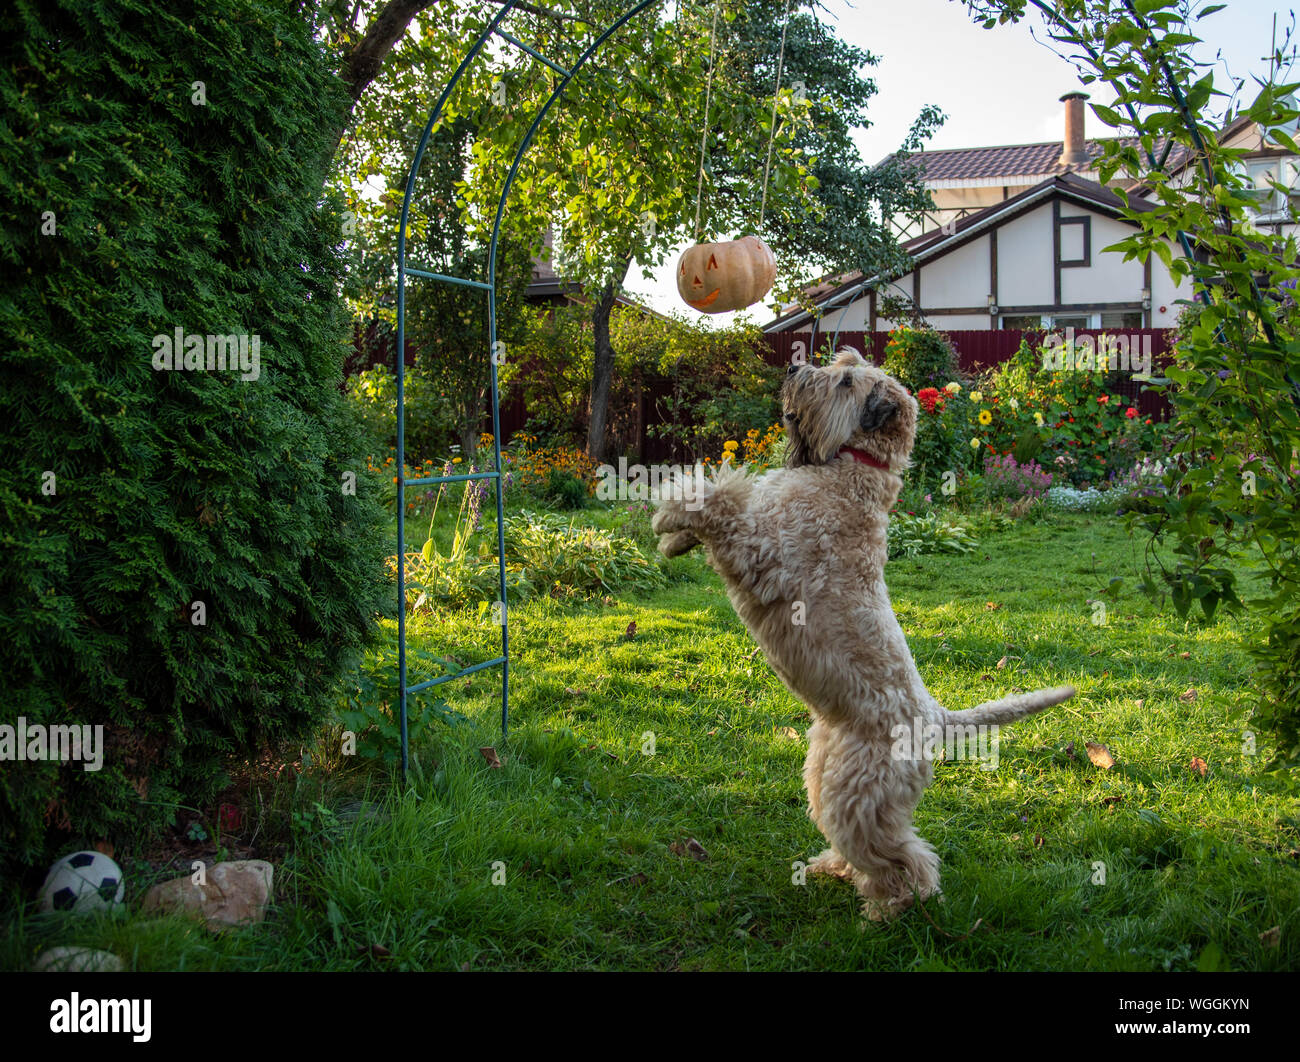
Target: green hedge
170,487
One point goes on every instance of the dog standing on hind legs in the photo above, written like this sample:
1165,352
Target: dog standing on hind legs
802,553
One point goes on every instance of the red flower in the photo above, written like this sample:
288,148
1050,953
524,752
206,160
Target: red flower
1103,399
1147,421
1071,420
1131,413
929,398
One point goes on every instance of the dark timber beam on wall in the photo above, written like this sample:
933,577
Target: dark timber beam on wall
1016,311
1056,251
1146,283
871,310
993,266
916,289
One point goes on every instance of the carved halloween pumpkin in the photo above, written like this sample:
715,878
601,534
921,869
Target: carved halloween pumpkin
719,277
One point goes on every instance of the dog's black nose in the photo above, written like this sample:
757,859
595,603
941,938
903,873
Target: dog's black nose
793,369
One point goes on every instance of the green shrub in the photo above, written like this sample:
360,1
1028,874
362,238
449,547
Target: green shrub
920,357
560,556
170,488
910,535
545,554
564,490
429,428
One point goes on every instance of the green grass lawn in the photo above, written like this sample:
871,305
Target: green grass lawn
587,832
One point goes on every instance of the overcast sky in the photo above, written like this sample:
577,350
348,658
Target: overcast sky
997,86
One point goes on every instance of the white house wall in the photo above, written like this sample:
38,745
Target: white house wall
1109,278
959,279
1025,259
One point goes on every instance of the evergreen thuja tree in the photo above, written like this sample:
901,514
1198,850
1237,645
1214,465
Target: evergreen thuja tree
187,562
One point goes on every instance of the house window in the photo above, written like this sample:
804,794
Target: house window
1075,243
1126,320
1023,324
1066,321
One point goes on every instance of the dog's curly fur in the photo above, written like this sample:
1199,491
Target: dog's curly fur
802,553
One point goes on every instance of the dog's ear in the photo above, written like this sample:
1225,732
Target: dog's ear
878,409
796,450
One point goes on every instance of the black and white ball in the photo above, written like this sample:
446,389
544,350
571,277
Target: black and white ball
84,882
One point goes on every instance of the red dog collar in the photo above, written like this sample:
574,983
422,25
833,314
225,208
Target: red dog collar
865,458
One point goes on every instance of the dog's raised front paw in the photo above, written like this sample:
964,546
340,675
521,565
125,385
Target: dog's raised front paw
676,543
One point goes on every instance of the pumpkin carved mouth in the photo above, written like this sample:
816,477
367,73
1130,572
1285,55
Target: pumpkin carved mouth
708,300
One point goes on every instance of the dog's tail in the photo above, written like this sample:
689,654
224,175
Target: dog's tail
1009,709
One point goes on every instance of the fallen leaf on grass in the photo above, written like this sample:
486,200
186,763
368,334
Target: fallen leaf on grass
377,951
630,633
1002,663
691,848
105,847
986,678
1184,656
1038,840
1100,755
572,692
1270,938
490,754
789,732
1189,696
1138,704
1111,801
1069,750
991,606
1198,765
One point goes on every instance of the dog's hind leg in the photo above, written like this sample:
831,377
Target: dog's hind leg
829,861
866,813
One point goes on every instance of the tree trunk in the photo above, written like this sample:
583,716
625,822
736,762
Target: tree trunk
603,375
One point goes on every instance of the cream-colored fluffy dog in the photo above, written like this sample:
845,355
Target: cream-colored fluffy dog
802,553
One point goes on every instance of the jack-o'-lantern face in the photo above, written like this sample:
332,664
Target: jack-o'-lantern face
719,277
704,292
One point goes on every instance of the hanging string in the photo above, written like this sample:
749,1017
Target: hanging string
704,136
776,95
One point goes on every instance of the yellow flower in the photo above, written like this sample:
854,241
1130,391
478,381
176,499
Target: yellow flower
976,396
1038,419
986,417
731,444
953,387
455,460
975,444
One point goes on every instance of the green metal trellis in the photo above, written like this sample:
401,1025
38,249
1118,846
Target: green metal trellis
489,287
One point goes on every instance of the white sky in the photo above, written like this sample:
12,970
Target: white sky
997,86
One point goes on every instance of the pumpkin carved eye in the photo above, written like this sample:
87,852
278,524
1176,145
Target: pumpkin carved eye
713,262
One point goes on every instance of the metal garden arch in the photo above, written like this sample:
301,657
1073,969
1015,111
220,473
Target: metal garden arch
489,287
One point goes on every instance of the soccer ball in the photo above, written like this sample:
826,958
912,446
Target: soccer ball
83,882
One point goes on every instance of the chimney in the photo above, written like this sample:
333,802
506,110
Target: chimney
1074,153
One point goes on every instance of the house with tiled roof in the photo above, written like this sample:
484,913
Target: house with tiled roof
1017,241
1034,260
